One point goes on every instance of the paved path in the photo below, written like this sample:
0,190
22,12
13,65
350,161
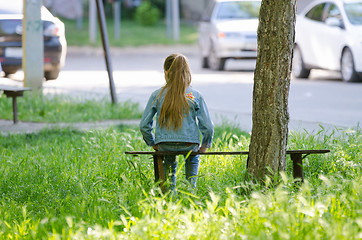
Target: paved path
321,100
8,127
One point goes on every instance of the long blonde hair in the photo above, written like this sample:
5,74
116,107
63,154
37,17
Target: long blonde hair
175,104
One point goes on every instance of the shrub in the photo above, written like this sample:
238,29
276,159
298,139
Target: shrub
146,14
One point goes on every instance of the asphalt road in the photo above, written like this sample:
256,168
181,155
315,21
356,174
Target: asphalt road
321,100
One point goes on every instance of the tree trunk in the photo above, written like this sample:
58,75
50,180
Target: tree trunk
271,88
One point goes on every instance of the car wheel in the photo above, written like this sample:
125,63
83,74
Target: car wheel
299,70
51,75
215,63
204,62
348,71
9,70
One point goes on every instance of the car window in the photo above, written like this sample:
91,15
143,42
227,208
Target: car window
316,13
334,12
354,12
238,10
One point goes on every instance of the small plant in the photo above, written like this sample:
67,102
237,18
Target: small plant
147,14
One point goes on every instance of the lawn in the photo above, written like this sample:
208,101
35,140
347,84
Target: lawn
131,34
68,184
64,108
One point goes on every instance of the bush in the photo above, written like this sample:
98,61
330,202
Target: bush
146,14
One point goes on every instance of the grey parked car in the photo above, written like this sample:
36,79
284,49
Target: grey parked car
228,30
11,52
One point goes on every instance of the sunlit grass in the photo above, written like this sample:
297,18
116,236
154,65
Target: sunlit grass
67,184
61,108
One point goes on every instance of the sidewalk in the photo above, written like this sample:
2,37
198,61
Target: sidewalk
229,94
8,127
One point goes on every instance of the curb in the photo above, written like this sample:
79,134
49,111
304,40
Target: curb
7,127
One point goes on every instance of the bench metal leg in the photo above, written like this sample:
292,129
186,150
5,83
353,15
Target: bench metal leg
297,165
159,171
15,110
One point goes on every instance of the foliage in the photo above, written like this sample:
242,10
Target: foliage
146,14
61,108
132,34
161,5
65,184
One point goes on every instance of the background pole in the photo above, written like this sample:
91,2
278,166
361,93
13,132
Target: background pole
103,28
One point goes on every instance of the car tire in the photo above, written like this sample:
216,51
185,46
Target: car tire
9,70
215,63
51,75
348,71
299,70
204,62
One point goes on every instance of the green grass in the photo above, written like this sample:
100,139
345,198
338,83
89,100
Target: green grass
65,184
132,34
61,108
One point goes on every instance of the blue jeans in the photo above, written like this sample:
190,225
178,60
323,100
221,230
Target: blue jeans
170,163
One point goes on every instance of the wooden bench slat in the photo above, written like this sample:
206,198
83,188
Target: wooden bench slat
183,153
13,88
220,153
295,155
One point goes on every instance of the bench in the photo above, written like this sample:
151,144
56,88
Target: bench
14,92
296,156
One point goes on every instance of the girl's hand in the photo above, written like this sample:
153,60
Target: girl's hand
155,147
202,149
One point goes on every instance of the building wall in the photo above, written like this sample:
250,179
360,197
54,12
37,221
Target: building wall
192,9
71,9
302,4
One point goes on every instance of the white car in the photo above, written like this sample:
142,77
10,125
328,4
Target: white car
228,30
329,36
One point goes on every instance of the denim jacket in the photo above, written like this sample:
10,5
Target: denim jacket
196,121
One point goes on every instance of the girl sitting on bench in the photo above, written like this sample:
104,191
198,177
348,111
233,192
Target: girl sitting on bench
181,114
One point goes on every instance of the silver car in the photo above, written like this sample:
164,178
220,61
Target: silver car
228,30
329,36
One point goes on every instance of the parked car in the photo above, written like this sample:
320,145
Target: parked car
329,36
228,30
55,45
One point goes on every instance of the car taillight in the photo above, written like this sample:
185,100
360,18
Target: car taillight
52,31
231,35
221,35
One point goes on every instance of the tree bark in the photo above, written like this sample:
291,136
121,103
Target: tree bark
271,88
